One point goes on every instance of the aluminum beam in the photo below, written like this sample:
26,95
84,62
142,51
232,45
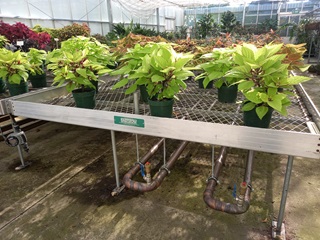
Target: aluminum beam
266,140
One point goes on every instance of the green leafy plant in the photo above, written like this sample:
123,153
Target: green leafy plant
160,69
78,62
218,63
36,58
120,30
205,26
262,72
3,41
228,22
130,62
14,66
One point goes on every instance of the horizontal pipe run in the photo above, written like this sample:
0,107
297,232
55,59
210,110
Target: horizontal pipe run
216,204
157,180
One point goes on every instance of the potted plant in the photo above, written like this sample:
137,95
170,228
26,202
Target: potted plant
131,61
262,72
194,47
14,69
78,63
219,62
163,72
36,59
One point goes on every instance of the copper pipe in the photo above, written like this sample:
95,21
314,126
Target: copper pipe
136,168
215,203
159,177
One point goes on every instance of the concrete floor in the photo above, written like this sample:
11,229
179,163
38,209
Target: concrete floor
66,192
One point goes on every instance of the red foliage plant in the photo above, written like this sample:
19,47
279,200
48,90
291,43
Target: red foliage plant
20,31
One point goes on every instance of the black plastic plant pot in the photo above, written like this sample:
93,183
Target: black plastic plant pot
143,93
38,80
200,82
163,108
228,94
84,98
251,119
2,86
17,89
96,85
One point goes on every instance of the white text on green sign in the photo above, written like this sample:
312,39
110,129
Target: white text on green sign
134,122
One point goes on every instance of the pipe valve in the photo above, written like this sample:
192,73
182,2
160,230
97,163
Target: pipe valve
148,172
243,188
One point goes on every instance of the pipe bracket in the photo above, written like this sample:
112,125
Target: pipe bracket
250,187
139,163
165,168
213,178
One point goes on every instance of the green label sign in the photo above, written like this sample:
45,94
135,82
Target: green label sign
133,122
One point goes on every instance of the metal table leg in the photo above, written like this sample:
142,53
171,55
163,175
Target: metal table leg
279,229
119,188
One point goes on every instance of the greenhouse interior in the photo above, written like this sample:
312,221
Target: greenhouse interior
162,119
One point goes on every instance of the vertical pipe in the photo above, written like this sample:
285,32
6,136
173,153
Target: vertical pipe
248,172
136,102
257,18
115,159
29,13
52,16
136,111
100,13
212,160
243,14
110,16
70,10
164,152
158,20
137,147
284,193
278,13
21,156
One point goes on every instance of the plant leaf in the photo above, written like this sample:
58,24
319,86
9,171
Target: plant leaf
121,83
248,106
261,111
297,79
131,89
276,102
157,78
245,85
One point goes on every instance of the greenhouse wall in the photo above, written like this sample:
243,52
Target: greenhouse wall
256,12
98,14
